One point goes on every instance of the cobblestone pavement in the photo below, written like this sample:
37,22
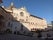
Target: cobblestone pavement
19,37
15,37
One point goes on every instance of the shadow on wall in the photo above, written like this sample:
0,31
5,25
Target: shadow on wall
6,18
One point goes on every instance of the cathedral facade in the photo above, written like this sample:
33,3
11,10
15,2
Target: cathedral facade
19,19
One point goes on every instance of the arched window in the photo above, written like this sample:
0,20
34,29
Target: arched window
21,13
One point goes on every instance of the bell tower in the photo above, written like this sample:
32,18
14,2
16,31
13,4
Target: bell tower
12,4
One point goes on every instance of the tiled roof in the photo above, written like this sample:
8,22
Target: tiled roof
36,17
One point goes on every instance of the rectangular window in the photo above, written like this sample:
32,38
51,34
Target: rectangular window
9,24
21,27
22,20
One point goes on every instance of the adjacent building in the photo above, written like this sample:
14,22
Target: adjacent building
52,23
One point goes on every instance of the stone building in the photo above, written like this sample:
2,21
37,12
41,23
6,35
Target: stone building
18,19
52,23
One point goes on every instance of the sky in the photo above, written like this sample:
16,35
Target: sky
40,8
